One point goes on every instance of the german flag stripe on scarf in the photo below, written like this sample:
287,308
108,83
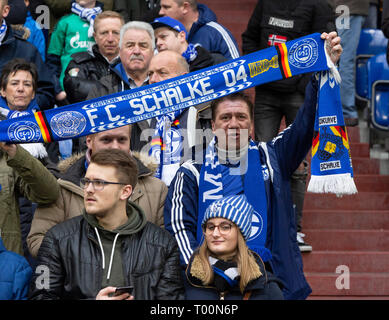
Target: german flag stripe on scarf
315,143
341,132
337,131
44,126
282,51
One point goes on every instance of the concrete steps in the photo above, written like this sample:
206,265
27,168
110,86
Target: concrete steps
350,232
346,219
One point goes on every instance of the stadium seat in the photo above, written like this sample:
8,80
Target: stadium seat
371,43
378,91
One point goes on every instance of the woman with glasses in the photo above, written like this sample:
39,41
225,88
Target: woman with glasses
223,267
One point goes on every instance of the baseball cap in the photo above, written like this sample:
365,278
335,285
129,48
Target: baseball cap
168,22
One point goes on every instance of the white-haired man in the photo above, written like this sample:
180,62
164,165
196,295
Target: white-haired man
137,46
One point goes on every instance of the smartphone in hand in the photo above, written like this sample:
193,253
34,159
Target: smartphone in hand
120,290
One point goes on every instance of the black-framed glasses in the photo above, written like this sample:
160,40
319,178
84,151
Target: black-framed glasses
224,228
98,184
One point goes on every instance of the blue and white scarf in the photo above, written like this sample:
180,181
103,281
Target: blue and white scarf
166,146
3,31
190,54
87,14
299,56
211,188
226,274
10,114
331,167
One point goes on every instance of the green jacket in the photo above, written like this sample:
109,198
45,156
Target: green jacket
58,8
23,175
69,36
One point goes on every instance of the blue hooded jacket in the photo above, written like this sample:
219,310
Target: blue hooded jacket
15,275
211,35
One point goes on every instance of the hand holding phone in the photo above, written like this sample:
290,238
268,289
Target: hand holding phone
112,293
121,290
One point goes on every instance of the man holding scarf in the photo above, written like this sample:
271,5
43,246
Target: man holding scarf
234,164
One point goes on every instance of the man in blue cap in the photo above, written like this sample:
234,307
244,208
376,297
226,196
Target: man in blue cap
170,34
202,26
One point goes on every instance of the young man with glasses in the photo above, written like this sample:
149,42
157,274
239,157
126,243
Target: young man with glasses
111,245
149,193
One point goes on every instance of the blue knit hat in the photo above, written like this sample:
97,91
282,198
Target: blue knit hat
234,208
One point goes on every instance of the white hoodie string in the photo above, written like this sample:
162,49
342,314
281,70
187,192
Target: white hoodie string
102,252
112,253
101,247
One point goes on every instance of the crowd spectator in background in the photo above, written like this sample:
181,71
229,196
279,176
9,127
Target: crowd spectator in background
149,192
350,32
274,22
20,19
137,10
18,82
15,275
200,23
111,244
385,24
13,46
21,173
224,267
136,48
73,33
174,129
86,69
60,8
170,34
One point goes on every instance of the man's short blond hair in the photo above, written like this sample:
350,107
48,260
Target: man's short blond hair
105,15
192,3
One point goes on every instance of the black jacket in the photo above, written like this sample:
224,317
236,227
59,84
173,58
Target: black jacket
15,47
137,10
71,252
84,73
286,19
205,59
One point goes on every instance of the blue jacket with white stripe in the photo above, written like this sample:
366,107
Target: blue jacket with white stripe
281,156
211,35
